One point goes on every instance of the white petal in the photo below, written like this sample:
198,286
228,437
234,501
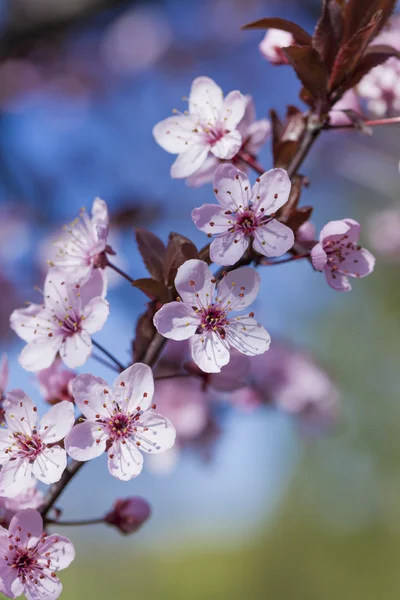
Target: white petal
190,161
16,477
247,336
176,321
239,288
271,191
205,98
176,133
209,352
206,172
160,434
59,294
256,135
228,248
75,349
231,187
210,218
90,394
24,522
233,109
81,444
24,321
50,465
95,315
100,211
48,588
195,283
94,287
228,146
6,440
61,550
20,412
134,388
273,239
318,257
40,353
57,423
124,460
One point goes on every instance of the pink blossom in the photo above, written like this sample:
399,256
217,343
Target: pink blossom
129,514
305,235
383,232
272,44
85,239
63,323
28,450
31,498
245,215
254,135
119,421
339,255
211,125
350,101
30,558
203,315
3,374
55,383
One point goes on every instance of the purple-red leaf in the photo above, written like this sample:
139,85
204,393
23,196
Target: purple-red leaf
179,250
277,131
300,35
309,69
155,290
329,32
145,332
360,12
374,56
288,209
152,250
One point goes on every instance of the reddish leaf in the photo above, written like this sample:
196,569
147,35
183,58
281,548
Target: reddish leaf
351,53
294,125
360,12
155,290
145,332
329,32
277,131
152,250
284,213
374,56
285,153
300,35
179,250
309,68
299,217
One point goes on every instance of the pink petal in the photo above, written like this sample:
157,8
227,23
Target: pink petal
209,352
232,376
318,257
57,423
134,388
247,336
20,412
206,98
4,371
90,394
231,187
76,349
160,436
228,146
271,191
24,322
337,229
248,118
175,134
239,288
16,477
50,465
176,321
233,109
62,552
40,353
100,211
124,460
59,293
95,314
10,584
24,522
94,287
256,136
210,213
6,440
358,263
337,281
190,161
227,249
48,588
273,239
194,277
81,444
205,174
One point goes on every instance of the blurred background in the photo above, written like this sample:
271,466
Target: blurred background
271,512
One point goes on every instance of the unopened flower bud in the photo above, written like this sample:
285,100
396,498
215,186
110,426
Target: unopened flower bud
129,514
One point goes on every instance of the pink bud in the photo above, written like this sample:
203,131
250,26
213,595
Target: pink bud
272,44
129,514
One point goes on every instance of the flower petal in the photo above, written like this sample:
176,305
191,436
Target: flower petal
16,477
50,464
209,352
233,109
318,257
195,282
10,584
337,281
20,412
6,440
75,349
228,248
239,288
159,436
61,550
24,321
176,321
228,146
190,161
94,287
271,190
206,98
175,134
335,230
211,219
95,315
57,423
256,135
24,522
90,394
40,353
247,336
48,588
206,172
81,444
357,263
273,239
231,187
124,460
134,388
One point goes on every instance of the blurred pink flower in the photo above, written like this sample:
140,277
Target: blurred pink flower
350,101
272,44
129,514
384,232
55,383
4,371
31,498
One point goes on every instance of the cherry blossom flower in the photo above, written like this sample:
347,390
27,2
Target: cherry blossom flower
119,420
339,255
129,514
211,125
55,383
28,450
245,215
203,317
30,558
254,135
31,498
272,44
63,323
383,232
85,239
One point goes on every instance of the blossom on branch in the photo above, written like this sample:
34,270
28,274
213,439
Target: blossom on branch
30,558
28,450
55,383
128,514
70,314
31,498
203,315
210,125
339,256
272,44
120,420
245,215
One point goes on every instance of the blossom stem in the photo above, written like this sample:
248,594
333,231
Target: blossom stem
76,523
251,162
370,123
101,360
120,272
110,356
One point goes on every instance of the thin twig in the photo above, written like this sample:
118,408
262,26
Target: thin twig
371,123
110,356
120,272
251,162
101,360
75,523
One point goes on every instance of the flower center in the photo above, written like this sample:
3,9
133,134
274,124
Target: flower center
29,446
212,131
70,324
339,250
247,221
213,318
120,426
